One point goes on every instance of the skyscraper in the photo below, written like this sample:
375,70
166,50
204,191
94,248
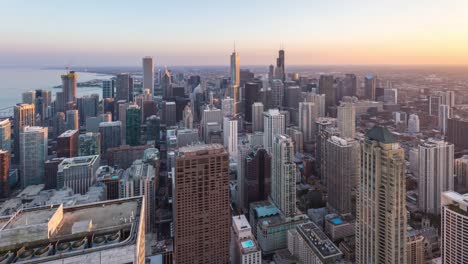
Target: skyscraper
273,124
434,102
67,144
78,173
319,100
347,120
257,176
33,154
456,132
69,87
89,144
307,115
444,115
110,135
72,120
88,106
454,227
227,106
133,121
235,80
257,116
435,173
280,67
124,87
251,95
381,200
108,88
350,85
370,85
23,116
283,175
29,97
4,173
5,134
148,74
413,124
187,117
230,135
342,161
461,171
277,90
326,87
202,182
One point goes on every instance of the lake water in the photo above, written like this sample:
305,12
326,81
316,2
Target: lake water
15,81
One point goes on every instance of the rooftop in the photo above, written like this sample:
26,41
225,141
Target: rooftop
68,133
195,150
381,134
318,241
78,161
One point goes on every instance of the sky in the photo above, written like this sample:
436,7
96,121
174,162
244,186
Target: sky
203,32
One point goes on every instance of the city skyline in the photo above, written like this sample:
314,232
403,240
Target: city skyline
335,32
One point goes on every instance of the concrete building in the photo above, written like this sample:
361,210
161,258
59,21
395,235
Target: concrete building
370,86
187,117
413,124
148,73
436,161
308,113
124,87
67,144
443,116
24,115
325,130
110,232
434,102
277,89
69,81
381,235
123,156
298,139
4,173
201,165
211,117
318,100
5,134
245,247
89,144
33,154
461,171
257,116
311,246
50,173
187,137
110,134
88,106
273,124
347,120
283,175
415,249
168,116
78,173
227,106
72,118
456,132
338,227
342,161
454,227
230,135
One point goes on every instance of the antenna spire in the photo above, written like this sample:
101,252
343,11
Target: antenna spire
234,46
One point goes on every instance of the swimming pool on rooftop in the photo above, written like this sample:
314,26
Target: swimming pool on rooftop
247,244
337,221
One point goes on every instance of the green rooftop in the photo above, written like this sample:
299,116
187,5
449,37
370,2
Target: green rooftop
380,134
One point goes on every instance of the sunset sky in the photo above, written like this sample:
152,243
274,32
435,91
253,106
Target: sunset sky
104,33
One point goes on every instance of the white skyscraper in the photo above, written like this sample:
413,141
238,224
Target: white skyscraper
413,124
273,124
187,117
381,200
283,175
444,115
33,154
435,173
307,115
230,135
347,120
454,227
319,100
257,116
277,90
210,116
148,74
235,79
227,106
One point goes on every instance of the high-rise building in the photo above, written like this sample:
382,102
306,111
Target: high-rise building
342,161
67,144
230,135
435,173
308,113
169,113
110,135
72,119
108,88
227,106
202,182
326,87
273,124
50,173
381,200
187,117
251,95
434,102
347,120
23,116
413,124
210,116
88,106
133,122
326,128
350,85
4,173
456,132
124,87
89,144
283,175
235,80
148,74
444,115
370,86
280,66
78,173
245,247
454,227
319,100
277,89
33,154
43,101
415,249
461,170
257,116
5,134
29,97
69,87
257,176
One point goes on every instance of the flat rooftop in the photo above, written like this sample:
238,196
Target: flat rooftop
78,161
68,133
318,241
201,149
